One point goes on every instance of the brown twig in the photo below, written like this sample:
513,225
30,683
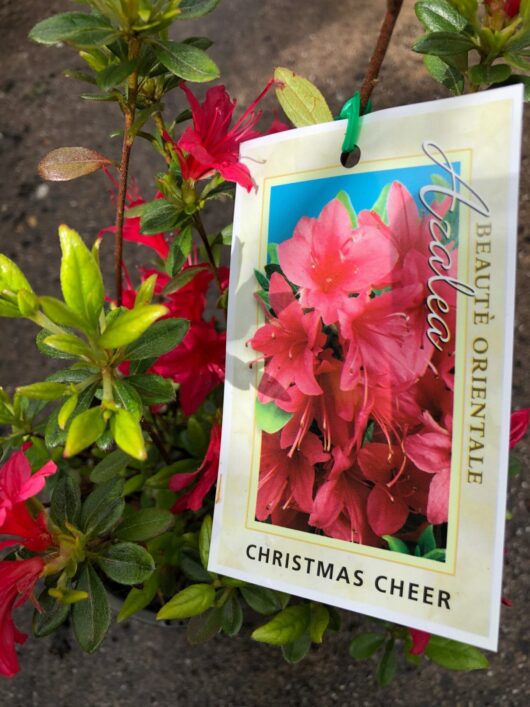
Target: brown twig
128,139
393,8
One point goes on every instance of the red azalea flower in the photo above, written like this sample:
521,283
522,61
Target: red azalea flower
198,364
211,145
420,641
131,231
17,580
328,260
206,476
519,421
290,341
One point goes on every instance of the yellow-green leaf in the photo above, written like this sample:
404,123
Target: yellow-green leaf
130,324
84,431
300,99
127,434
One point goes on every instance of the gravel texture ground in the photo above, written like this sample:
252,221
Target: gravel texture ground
142,665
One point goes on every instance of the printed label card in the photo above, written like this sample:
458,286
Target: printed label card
365,431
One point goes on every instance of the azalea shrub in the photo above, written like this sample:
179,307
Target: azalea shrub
108,466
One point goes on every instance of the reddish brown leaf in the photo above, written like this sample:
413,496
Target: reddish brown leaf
67,163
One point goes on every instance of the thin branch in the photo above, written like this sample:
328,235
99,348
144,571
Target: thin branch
204,238
393,8
149,428
128,139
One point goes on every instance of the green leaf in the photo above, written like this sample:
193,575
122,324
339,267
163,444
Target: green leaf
301,101
110,466
192,601
191,9
91,618
186,61
67,163
84,431
43,391
60,313
396,545
232,616
318,622
365,644
103,508
127,397
517,61
262,599
454,655
440,15
447,75
161,478
127,433
144,524
79,28
138,599
438,555
520,40
68,344
66,501
483,74
285,627
387,668
28,303
115,74
126,563
81,281
204,627
205,538
12,278
179,250
427,541
159,216
380,206
345,200
161,337
514,466
270,418
443,44
130,324
153,389
182,278
53,614
297,650
468,8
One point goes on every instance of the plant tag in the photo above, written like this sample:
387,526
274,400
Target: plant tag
365,432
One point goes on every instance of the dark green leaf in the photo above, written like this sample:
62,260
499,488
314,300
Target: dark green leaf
79,28
161,337
426,540
440,15
110,466
205,538
182,278
285,627
115,74
443,43
126,563
103,508
53,614
396,545
127,397
180,250
66,501
514,466
186,61
232,616
447,75
201,628
159,216
482,74
91,617
153,389
454,655
261,599
144,524
191,9
297,650
387,668
438,554
192,601
366,644
201,42
193,569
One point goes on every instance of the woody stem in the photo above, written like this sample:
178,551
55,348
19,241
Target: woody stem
204,238
393,8
128,139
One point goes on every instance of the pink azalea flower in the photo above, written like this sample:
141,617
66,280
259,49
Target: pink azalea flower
329,261
420,641
519,421
205,476
17,581
290,342
287,479
198,364
430,451
211,145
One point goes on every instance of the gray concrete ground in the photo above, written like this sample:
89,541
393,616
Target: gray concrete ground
141,665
